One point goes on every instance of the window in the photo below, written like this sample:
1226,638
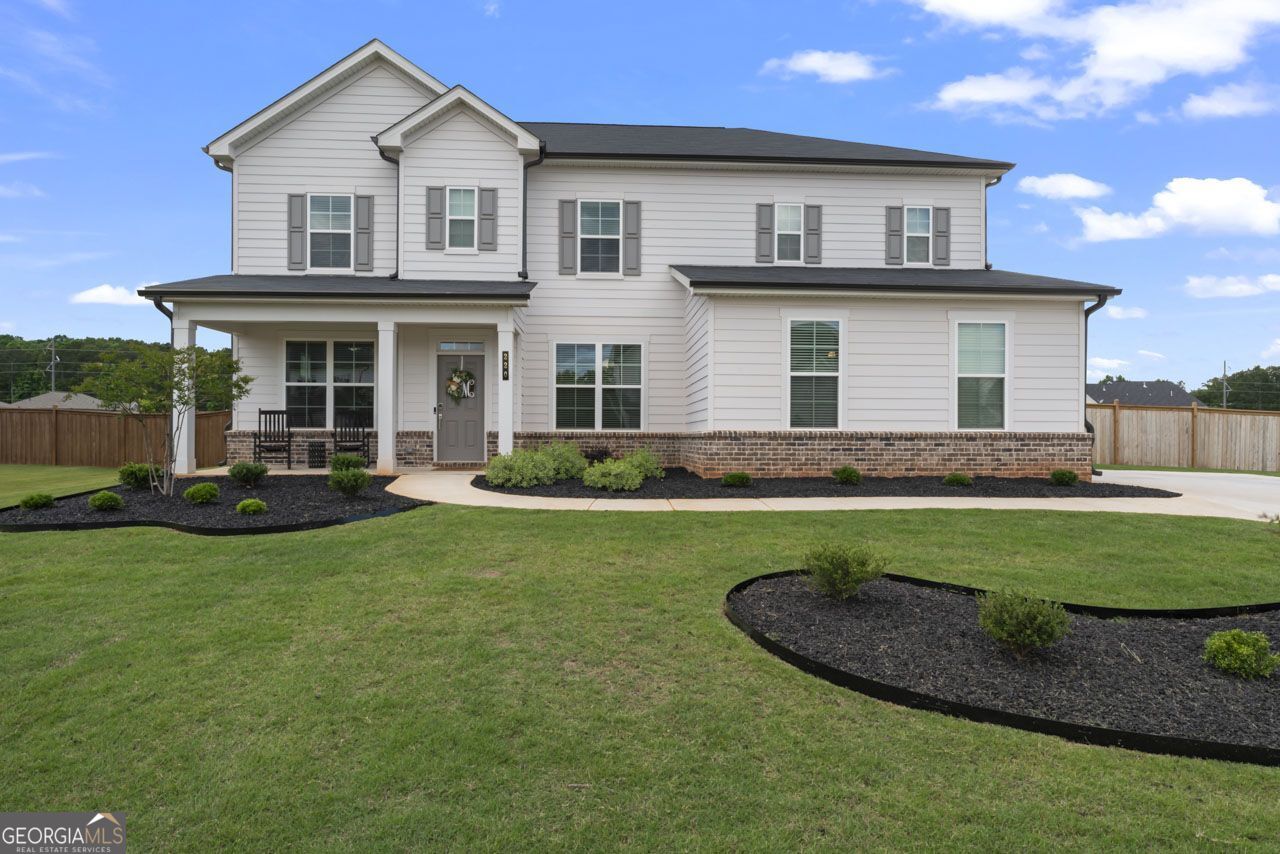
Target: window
815,374
788,230
600,236
464,346
980,376
919,234
462,218
599,386
306,379
353,381
329,231
312,380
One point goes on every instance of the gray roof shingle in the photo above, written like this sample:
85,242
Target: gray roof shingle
903,279
1141,393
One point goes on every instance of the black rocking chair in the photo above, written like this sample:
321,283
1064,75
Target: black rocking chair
351,437
273,436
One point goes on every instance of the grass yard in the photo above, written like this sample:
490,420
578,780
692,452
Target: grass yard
1176,468
498,679
17,481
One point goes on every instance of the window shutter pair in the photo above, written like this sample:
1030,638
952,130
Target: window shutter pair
486,219
894,236
362,249
812,237
569,238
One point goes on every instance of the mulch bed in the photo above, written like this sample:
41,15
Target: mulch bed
681,483
1137,675
293,501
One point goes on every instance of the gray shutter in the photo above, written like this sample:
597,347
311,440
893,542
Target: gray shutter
893,235
813,234
764,234
297,232
435,217
364,233
487,223
942,237
630,238
568,237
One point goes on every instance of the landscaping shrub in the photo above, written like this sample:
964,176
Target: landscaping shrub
137,475
350,482
521,469
247,474
1063,477
1022,623
346,462
251,507
1241,653
838,571
613,475
566,459
597,455
736,479
202,493
957,478
36,501
106,500
847,475
645,462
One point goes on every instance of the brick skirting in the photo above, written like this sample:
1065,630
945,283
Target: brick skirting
413,447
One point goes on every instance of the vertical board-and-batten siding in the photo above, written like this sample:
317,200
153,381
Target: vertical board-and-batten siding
326,149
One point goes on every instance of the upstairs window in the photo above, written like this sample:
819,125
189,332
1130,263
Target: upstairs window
788,231
815,374
980,376
919,235
462,218
329,232
599,237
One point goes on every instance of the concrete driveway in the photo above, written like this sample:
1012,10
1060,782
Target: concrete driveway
1241,496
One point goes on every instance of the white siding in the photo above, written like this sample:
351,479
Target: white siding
697,355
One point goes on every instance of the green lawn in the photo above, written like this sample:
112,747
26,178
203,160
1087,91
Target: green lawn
1176,468
17,481
473,678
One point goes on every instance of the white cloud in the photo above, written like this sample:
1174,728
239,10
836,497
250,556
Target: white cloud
1151,354
1007,13
1272,351
17,156
1016,87
1230,101
108,295
58,7
20,190
492,9
827,65
1266,255
1232,206
1207,287
1063,185
1119,312
1106,364
1144,117
1040,228
1034,53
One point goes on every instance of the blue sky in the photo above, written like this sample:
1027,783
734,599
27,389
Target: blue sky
1144,132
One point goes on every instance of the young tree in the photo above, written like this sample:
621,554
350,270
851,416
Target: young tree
154,382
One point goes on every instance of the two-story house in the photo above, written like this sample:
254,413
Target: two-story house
405,256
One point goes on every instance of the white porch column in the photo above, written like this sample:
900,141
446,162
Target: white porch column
184,421
385,410
506,383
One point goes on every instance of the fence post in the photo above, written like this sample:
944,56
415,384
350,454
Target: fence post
54,431
1115,432
1193,435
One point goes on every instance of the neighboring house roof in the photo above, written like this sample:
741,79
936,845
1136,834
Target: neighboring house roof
891,279
340,287
392,139
60,399
1141,393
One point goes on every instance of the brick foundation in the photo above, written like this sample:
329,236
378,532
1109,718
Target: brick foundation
413,447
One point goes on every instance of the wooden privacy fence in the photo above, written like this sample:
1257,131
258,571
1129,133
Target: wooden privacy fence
91,437
1185,437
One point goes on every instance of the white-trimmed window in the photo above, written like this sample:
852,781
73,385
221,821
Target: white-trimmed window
815,374
788,231
599,386
325,380
462,218
980,375
599,236
919,235
329,232
353,382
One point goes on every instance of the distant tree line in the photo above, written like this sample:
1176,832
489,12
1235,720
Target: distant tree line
1252,388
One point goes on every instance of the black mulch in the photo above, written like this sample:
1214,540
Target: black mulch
681,483
290,499
1143,675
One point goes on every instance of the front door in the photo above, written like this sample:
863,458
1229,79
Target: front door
460,423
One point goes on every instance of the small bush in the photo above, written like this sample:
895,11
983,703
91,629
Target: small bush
247,474
346,462
350,482
1022,623
202,493
106,500
36,501
613,475
646,463
251,507
1241,653
597,455
138,475
847,475
521,469
838,571
736,479
958,478
1063,477
566,459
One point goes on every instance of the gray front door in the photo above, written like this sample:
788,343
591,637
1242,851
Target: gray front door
459,424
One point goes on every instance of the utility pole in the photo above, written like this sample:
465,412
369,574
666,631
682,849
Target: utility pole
53,364
1225,388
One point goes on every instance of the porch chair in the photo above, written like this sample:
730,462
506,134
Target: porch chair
273,436
350,436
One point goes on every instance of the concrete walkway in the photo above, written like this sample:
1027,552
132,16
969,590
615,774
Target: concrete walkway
1237,496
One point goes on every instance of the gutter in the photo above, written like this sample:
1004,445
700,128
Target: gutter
987,261
524,210
1089,310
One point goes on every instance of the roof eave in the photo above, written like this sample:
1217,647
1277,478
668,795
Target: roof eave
996,166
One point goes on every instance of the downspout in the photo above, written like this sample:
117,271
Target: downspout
524,211
1088,425
395,273
162,308
985,228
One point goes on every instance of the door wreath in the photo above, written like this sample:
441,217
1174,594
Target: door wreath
461,385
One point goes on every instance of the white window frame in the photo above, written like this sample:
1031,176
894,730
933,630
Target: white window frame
598,399
351,232
603,274
908,234
778,232
330,421
1005,319
474,248
810,317
332,414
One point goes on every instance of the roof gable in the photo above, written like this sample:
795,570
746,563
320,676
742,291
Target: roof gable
393,140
